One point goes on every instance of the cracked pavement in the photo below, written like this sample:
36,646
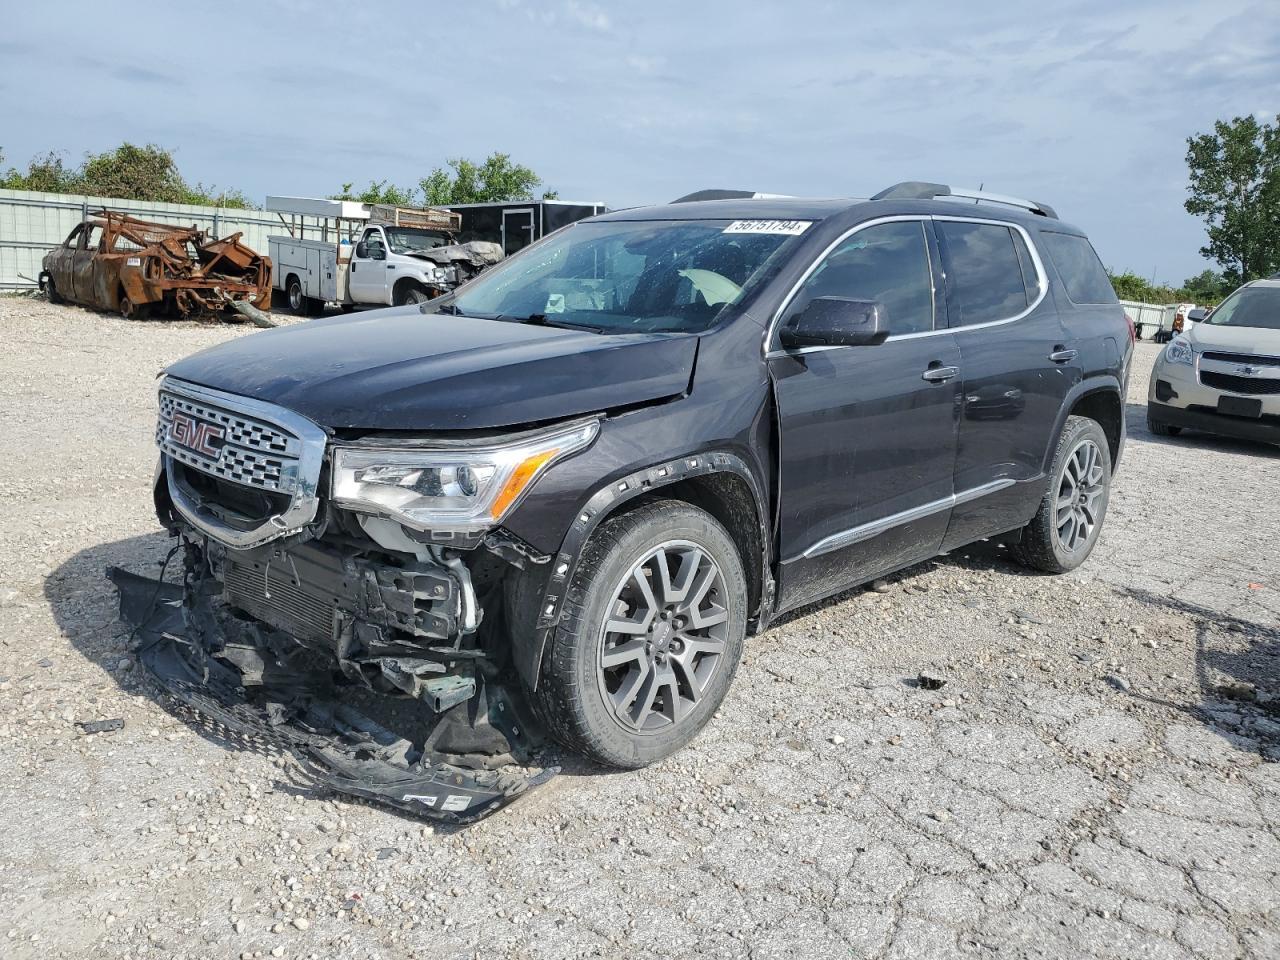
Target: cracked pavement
1095,779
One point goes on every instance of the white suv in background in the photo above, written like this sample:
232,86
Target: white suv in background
1223,375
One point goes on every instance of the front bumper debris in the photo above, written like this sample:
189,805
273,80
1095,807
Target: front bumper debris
299,711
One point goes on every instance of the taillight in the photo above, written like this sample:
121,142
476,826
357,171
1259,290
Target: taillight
1133,333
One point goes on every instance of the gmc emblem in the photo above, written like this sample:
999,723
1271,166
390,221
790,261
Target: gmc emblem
198,436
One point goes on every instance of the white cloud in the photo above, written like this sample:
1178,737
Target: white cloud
589,15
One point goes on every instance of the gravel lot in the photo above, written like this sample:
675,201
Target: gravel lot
1095,779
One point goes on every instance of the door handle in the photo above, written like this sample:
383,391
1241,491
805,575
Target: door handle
391,266
940,374
1063,354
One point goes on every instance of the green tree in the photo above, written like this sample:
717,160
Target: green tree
1207,287
133,172
496,179
46,174
128,172
1130,286
1234,184
380,191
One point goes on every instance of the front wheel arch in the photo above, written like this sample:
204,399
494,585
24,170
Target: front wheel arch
537,593
404,288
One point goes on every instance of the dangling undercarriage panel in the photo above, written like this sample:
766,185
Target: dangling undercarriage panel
370,670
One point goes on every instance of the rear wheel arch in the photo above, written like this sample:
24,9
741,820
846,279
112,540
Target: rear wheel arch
1098,399
721,483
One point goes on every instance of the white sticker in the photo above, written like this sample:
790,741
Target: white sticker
455,801
555,303
133,262
789,228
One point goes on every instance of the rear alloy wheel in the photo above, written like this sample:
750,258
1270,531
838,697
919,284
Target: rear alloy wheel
1064,530
650,639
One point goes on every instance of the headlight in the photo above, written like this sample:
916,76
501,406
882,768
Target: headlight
1179,351
463,489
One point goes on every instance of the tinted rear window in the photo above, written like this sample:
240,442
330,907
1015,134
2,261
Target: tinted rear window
1081,271
984,277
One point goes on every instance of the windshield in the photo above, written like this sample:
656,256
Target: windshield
406,240
1249,307
630,276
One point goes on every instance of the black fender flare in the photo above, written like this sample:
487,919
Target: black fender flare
531,631
1103,383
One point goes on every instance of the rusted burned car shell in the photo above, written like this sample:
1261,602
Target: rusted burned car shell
113,261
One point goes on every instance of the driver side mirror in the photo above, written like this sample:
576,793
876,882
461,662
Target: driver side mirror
836,322
362,250
1197,315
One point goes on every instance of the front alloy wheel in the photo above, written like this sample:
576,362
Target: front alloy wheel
664,640
649,637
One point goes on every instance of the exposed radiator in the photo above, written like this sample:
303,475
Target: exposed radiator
276,601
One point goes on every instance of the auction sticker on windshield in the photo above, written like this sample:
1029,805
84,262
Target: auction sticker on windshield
790,228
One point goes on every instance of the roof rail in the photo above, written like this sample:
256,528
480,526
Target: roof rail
922,190
715,194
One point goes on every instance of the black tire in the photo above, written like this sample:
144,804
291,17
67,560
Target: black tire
573,696
297,300
1162,429
313,307
409,293
132,311
1049,543
51,292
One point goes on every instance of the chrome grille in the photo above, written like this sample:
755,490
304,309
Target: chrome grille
243,442
1249,359
1256,386
254,453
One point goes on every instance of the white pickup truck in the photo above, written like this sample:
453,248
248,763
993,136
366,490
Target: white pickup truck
368,254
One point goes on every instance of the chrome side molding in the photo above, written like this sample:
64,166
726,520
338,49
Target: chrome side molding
847,538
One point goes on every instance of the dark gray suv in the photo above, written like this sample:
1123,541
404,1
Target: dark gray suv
559,497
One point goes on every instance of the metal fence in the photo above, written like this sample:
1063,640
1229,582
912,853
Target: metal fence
33,223
1149,318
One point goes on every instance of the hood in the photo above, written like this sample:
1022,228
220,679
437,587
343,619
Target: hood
479,253
1252,340
401,369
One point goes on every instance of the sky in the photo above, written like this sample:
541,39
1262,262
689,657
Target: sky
1085,106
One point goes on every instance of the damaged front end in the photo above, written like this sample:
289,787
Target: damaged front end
379,658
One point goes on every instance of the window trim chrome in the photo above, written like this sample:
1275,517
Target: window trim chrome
1041,275
866,531
305,501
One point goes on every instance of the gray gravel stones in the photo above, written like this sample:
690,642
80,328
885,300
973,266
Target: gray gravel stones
1072,792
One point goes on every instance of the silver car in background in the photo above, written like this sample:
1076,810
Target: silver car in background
1223,375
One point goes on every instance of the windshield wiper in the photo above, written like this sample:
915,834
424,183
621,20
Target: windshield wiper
542,320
